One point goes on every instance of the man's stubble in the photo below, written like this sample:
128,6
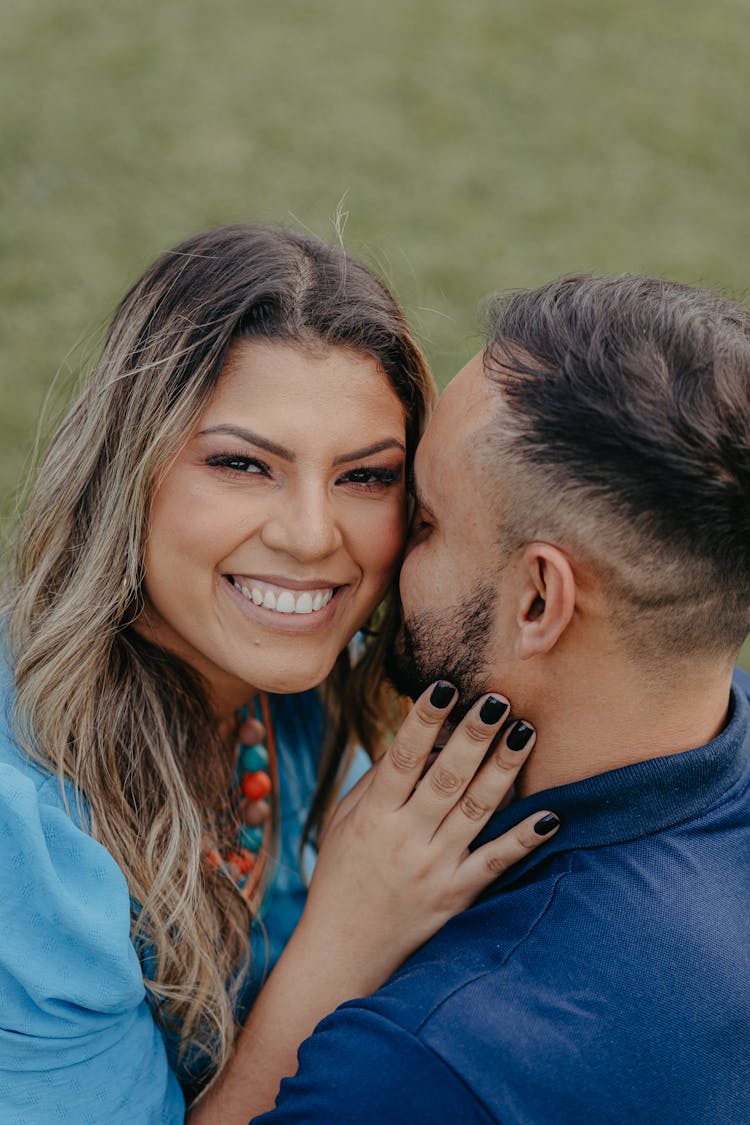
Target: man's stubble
450,644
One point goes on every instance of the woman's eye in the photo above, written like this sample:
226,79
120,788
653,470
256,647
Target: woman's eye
237,463
372,477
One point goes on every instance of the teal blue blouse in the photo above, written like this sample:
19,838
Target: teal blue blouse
78,1040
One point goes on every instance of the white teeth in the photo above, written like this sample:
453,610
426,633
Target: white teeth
304,604
285,602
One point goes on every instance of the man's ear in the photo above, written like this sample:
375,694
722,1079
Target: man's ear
548,597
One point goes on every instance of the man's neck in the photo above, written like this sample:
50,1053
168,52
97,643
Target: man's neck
611,717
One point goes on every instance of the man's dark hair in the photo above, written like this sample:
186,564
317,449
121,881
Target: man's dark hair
626,433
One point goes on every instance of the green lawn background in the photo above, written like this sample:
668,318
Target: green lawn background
475,145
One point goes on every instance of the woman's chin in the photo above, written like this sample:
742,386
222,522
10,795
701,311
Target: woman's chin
285,676
292,680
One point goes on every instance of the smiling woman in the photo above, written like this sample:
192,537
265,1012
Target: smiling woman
222,510
265,556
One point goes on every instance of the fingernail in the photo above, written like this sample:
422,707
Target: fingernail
546,824
442,694
519,736
492,710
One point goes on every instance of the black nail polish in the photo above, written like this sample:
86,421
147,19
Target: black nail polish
547,824
492,710
519,736
442,694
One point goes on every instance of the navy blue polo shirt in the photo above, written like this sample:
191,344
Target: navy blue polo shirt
606,979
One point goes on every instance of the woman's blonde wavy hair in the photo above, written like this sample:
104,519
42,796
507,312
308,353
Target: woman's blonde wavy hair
127,724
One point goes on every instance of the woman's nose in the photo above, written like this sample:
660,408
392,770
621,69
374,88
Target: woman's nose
303,526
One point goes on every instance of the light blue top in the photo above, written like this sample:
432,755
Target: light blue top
78,1041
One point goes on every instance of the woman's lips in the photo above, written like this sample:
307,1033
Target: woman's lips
281,608
283,599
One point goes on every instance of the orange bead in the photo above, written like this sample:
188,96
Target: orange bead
245,860
256,785
242,860
214,858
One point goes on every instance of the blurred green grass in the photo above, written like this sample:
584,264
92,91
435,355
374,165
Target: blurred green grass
476,146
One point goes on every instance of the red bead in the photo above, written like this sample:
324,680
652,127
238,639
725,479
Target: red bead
242,859
256,785
245,860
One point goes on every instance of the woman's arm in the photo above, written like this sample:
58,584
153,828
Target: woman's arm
77,1037
393,868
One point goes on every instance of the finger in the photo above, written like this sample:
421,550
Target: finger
489,788
399,769
488,863
443,786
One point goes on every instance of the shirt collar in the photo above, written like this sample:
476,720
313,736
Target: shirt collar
636,800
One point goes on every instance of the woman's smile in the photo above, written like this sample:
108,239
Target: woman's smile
284,596
276,530
285,605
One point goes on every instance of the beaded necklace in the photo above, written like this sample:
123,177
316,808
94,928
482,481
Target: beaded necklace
256,780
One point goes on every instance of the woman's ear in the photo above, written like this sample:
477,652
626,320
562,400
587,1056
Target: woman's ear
547,601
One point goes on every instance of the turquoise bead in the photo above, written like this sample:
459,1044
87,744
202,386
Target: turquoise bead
253,758
251,838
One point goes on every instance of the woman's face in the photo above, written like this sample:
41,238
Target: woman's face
276,530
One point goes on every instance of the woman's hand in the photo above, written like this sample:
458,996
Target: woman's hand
393,867
395,864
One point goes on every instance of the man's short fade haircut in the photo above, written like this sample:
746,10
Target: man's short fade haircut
625,433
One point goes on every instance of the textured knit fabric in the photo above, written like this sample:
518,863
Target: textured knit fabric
78,1042
606,979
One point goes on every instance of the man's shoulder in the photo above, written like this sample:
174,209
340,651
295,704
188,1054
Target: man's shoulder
601,977
395,1053
474,950
522,941
594,976
544,1000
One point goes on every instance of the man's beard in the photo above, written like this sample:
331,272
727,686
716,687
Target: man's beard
445,645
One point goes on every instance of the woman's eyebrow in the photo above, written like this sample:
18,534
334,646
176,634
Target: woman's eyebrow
253,439
288,455
377,447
